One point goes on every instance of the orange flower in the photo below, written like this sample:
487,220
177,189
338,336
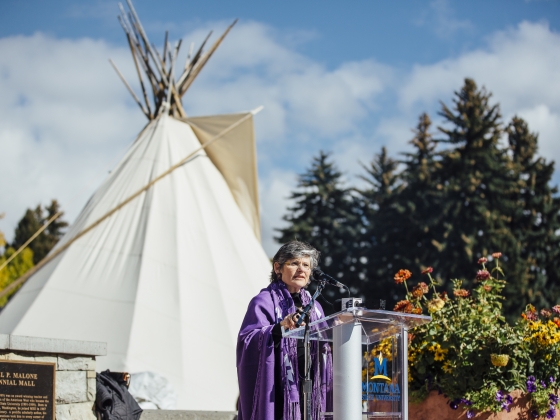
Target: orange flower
461,293
427,270
417,311
417,292
487,288
497,254
425,288
403,306
402,276
557,321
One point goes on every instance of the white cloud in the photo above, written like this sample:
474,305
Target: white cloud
253,67
274,195
547,125
520,66
64,118
440,17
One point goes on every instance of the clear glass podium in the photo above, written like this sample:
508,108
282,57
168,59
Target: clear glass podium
370,361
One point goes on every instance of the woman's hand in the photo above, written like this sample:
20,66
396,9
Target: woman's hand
289,322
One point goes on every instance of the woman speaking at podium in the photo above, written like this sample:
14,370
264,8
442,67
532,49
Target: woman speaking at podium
270,369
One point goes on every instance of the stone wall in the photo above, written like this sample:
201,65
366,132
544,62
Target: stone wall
75,369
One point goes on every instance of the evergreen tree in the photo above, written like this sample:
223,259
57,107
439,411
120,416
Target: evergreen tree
31,222
422,196
533,266
55,230
381,250
476,185
323,216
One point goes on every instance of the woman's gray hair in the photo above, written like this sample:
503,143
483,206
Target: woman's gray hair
291,250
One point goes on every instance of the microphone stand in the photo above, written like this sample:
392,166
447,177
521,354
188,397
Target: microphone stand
307,384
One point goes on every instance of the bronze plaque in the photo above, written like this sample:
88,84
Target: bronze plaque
27,390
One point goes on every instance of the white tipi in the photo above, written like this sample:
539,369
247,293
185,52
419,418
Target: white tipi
165,277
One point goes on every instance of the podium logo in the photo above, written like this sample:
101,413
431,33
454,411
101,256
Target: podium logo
380,365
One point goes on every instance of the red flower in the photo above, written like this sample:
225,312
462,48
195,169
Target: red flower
427,270
402,276
482,275
531,313
403,306
482,260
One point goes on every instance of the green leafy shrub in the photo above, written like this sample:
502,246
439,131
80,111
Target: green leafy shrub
472,354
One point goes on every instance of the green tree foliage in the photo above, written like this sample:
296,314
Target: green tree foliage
423,193
324,216
31,222
2,237
18,266
534,257
474,188
475,184
14,270
381,249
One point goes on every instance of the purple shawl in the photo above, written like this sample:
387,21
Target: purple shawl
256,361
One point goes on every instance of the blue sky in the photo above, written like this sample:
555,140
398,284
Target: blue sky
346,77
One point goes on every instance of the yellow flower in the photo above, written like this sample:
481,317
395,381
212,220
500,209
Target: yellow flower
499,359
439,353
434,347
543,335
439,356
435,305
447,367
385,347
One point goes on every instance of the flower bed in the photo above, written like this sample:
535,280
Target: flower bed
473,357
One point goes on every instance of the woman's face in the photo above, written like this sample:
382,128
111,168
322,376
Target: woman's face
295,273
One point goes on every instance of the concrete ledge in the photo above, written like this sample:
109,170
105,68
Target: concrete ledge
187,415
52,345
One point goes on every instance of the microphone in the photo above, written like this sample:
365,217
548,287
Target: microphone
320,276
